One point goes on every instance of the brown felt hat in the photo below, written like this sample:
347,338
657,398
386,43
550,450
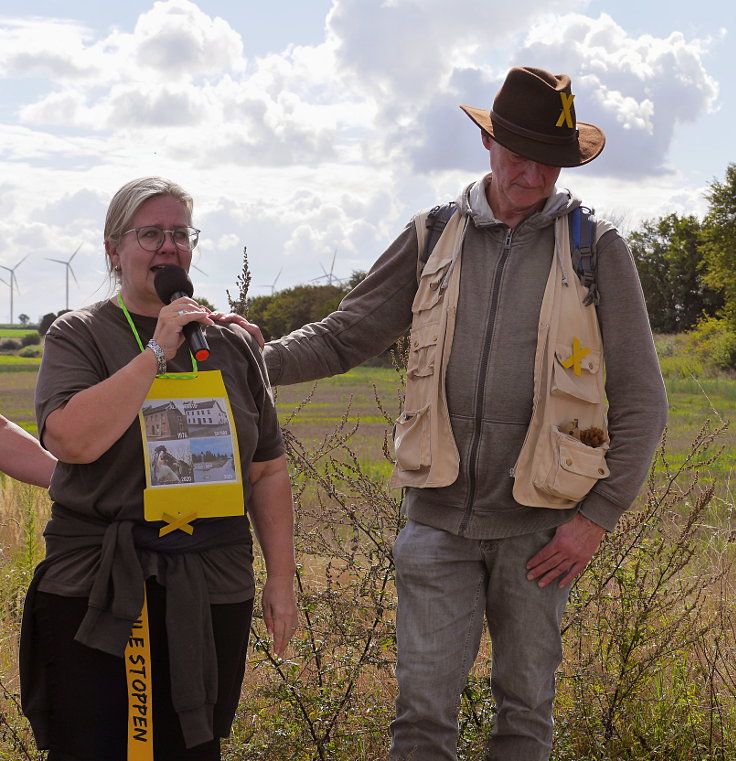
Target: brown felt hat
533,115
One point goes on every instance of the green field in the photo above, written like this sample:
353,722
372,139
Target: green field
15,332
13,363
313,410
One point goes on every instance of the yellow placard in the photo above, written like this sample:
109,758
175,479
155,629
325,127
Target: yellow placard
191,451
140,701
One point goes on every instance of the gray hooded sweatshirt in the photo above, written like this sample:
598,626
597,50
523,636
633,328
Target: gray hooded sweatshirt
490,375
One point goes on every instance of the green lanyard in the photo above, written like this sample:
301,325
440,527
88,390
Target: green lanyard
171,376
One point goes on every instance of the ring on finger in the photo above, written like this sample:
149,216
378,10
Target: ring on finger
181,312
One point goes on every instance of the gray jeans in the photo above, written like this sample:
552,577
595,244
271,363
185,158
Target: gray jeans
446,584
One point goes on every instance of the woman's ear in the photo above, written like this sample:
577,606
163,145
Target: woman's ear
112,254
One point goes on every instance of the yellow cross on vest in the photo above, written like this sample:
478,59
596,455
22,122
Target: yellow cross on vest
181,522
566,115
578,352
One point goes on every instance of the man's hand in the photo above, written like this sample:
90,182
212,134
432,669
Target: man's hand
570,550
250,327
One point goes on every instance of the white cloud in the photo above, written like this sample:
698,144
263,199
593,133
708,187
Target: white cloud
403,51
40,47
629,113
417,63
81,207
637,89
157,71
177,40
226,242
166,106
179,84
173,41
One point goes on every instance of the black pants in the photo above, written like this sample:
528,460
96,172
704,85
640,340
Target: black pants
88,687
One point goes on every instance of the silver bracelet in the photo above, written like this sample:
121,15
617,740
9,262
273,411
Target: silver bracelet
160,356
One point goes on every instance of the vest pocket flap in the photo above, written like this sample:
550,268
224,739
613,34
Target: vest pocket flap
589,363
582,460
575,467
586,386
411,440
422,351
431,286
436,265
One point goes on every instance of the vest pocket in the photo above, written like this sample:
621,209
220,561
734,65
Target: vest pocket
575,468
411,439
422,351
587,386
431,286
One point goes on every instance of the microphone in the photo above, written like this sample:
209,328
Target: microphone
172,283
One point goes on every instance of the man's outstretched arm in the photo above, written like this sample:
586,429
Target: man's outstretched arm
22,457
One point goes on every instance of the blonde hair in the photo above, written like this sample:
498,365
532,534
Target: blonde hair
126,202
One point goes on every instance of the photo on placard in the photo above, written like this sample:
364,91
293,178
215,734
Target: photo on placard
164,419
206,417
171,462
213,460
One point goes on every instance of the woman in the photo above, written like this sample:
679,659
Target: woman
114,532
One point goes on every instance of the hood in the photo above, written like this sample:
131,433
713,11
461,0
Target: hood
472,202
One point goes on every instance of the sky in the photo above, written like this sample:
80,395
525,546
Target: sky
311,131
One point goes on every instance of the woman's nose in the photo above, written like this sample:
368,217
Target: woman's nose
168,242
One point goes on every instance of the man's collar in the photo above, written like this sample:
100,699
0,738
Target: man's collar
478,204
482,214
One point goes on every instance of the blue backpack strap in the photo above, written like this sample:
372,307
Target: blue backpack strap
581,223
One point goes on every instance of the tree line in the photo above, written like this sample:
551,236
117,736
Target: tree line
687,268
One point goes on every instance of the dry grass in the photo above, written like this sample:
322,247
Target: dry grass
650,668
23,513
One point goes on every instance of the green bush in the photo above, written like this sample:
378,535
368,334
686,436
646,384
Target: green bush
714,342
30,351
31,339
9,344
675,359
682,366
667,344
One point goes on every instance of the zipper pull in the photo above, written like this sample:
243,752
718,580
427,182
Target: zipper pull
507,242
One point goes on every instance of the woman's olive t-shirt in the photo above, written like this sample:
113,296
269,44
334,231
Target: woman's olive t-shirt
85,347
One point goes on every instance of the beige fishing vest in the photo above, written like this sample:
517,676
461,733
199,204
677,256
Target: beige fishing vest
426,453
554,469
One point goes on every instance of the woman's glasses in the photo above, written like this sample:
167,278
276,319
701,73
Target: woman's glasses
152,238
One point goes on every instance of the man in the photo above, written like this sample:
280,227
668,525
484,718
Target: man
504,508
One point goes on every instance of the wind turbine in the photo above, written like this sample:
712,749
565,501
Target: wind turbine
13,282
328,276
68,265
272,286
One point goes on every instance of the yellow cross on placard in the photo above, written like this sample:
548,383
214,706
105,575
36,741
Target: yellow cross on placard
566,115
578,352
181,522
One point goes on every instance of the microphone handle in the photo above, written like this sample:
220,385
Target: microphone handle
194,335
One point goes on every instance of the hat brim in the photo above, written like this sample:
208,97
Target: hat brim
589,143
